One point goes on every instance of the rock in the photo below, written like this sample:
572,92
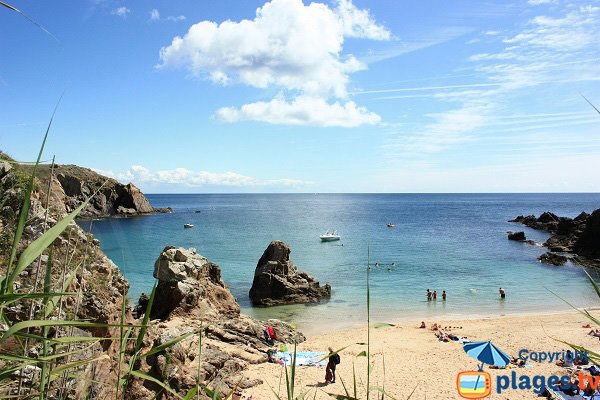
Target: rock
547,217
588,244
4,168
188,282
580,235
518,236
130,197
191,298
277,281
582,217
553,259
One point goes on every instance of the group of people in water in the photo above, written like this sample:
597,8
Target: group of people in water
433,295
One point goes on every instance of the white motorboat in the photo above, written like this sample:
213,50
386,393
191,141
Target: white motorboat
329,236
188,225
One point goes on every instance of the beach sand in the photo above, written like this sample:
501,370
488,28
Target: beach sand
416,358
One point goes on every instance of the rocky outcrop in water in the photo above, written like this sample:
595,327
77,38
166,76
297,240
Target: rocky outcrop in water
277,280
71,185
553,258
191,297
517,236
579,236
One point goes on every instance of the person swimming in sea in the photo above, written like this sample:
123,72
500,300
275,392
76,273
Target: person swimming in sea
502,293
429,294
443,295
435,295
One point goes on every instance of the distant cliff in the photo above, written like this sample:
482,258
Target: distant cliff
72,184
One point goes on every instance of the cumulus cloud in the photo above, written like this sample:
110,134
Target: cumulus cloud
186,177
302,110
289,46
121,12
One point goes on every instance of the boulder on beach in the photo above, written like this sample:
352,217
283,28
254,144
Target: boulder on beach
278,281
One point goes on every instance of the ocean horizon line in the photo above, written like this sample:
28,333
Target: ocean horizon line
358,193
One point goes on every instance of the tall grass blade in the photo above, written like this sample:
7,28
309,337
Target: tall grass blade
54,301
45,376
28,18
593,282
19,326
144,328
590,103
168,344
37,247
6,285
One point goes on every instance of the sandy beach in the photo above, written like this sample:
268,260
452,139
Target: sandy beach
415,358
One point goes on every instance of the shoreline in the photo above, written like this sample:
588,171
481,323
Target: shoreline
416,358
325,324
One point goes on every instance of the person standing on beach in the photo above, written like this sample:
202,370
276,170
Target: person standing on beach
334,360
435,295
502,293
443,295
428,295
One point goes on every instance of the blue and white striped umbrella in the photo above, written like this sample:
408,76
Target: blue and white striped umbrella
487,353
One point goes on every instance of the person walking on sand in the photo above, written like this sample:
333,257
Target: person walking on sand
435,295
428,295
502,293
443,295
334,360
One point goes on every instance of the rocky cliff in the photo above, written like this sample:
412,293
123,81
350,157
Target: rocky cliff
578,237
79,266
72,184
278,281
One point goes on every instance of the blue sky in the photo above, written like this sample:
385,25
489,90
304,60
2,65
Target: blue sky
292,96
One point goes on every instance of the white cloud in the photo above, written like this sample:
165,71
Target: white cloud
538,2
302,110
185,177
122,12
176,19
288,46
545,53
154,15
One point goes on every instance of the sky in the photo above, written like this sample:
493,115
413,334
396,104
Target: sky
297,96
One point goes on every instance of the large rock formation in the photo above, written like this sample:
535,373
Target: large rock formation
71,185
190,296
579,236
97,286
277,280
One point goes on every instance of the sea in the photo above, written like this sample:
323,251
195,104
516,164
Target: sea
452,242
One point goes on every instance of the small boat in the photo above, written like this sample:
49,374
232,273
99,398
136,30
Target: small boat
390,225
188,225
329,236
198,211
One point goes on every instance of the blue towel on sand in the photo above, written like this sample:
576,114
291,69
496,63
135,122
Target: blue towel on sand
303,357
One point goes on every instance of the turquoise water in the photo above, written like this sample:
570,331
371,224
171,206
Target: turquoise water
452,242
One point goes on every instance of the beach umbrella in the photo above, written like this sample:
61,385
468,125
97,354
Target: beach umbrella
486,353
